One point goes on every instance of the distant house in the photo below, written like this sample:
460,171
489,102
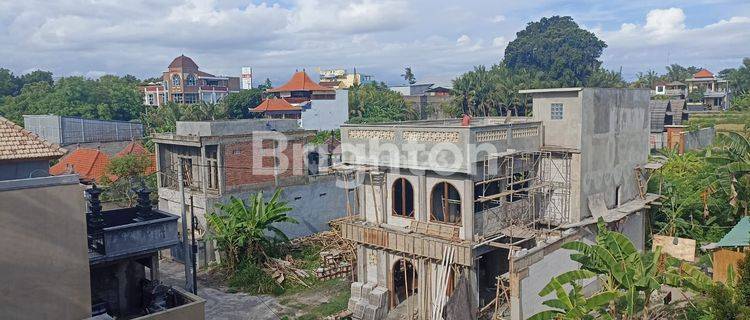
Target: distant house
731,249
665,113
673,89
320,107
90,163
184,83
427,100
341,79
716,92
24,154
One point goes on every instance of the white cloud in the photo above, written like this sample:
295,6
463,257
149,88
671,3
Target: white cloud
463,40
499,42
355,16
498,18
665,22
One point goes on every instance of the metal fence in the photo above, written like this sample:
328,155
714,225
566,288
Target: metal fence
70,130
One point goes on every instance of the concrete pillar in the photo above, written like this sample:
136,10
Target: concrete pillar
154,266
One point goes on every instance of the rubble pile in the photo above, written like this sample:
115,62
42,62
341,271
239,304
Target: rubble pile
337,255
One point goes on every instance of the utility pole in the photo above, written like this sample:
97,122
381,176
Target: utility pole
185,244
193,247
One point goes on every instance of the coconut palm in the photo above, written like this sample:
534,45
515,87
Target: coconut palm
733,158
241,228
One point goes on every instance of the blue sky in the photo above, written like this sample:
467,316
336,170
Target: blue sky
438,39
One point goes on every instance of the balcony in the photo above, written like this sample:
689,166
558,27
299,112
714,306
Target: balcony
122,233
404,242
439,145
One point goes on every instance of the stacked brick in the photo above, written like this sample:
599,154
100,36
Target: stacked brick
334,265
368,301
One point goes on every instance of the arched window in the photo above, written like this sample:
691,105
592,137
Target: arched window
446,203
190,81
403,198
176,80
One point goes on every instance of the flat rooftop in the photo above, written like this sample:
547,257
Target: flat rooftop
444,123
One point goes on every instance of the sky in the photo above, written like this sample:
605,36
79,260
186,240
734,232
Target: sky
438,39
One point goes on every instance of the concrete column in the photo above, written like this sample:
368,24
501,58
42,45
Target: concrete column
203,170
159,169
154,266
424,208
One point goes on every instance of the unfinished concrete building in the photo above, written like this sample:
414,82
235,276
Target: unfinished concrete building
465,218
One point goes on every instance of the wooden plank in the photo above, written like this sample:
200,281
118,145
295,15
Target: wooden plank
723,258
683,250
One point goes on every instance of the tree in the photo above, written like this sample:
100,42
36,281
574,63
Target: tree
265,85
732,156
130,170
573,304
8,83
241,228
409,76
738,78
557,47
37,76
602,78
676,72
238,104
647,80
374,102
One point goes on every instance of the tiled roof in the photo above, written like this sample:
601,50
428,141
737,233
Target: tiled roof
300,82
275,104
658,109
135,147
89,164
703,74
17,143
183,62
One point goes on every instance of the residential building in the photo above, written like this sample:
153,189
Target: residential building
428,101
90,163
73,130
24,154
665,113
224,159
183,82
277,108
341,79
716,92
322,108
672,89
459,214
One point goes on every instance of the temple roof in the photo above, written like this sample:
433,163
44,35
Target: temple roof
275,104
300,81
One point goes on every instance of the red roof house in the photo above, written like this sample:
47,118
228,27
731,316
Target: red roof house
135,147
278,108
703,74
89,164
300,81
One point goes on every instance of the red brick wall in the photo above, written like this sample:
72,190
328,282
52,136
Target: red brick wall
244,165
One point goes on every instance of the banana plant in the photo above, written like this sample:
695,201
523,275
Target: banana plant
622,267
573,304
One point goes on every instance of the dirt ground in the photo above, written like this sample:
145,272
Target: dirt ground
223,303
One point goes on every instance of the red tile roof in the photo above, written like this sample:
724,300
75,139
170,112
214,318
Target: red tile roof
16,143
703,74
183,62
89,164
300,82
137,148
275,104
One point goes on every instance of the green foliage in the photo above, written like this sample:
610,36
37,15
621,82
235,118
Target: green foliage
322,136
676,72
130,171
739,78
573,304
248,277
164,118
731,155
741,102
408,75
374,102
696,95
129,165
494,91
238,104
558,48
241,228
647,80
602,78
108,98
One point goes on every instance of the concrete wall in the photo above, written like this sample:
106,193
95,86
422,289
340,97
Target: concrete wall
699,139
567,131
326,114
615,135
70,130
44,265
233,127
194,308
10,170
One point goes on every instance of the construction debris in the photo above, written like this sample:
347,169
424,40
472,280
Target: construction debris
280,270
337,256
334,265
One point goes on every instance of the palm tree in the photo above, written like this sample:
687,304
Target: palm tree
242,228
733,157
573,304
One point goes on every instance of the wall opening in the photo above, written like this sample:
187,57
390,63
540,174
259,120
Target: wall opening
446,203
404,281
403,198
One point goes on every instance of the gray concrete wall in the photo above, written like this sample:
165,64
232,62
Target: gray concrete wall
44,265
327,114
10,170
565,132
699,139
233,127
615,135
70,130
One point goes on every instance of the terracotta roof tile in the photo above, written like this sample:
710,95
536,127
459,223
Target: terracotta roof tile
89,164
17,143
135,147
300,82
183,62
703,74
275,104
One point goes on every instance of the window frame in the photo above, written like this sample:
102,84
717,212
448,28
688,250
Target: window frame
404,183
433,218
553,113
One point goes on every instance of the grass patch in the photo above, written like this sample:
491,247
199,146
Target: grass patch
336,303
250,278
